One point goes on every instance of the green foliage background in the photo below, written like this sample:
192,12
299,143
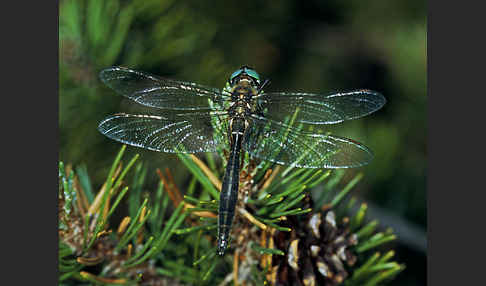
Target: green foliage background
311,46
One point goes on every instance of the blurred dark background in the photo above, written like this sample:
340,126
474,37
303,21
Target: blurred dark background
311,46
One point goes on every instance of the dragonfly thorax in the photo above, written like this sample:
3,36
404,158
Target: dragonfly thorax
243,96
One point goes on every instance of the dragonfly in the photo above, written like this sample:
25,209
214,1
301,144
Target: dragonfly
186,117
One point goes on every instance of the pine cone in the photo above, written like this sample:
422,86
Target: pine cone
317,251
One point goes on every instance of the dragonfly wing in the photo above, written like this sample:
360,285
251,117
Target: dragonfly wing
154,91
321,109
180,134
285,145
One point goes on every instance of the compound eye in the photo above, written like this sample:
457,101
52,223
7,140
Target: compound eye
253,74
235,74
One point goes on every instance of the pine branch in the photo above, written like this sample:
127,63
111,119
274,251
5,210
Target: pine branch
269,209
125,257
279,228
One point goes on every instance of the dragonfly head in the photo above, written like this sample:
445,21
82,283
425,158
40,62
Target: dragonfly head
245,72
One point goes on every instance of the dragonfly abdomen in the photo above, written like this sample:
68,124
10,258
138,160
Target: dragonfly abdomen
229,191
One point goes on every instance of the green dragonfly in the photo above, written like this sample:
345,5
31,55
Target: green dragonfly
185,117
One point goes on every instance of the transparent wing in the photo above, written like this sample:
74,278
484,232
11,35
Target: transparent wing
285,145
180,134
321,109
154,91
